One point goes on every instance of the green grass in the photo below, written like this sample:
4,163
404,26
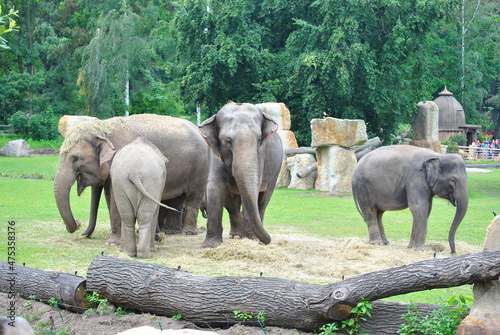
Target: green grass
42,241
46,144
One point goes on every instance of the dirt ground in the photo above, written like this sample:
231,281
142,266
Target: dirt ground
291,256
46,319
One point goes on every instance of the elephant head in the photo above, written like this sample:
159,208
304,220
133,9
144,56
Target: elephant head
237,134
447,179
87,161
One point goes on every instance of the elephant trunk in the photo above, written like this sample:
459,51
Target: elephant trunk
248,180
462,204
62,186
94,207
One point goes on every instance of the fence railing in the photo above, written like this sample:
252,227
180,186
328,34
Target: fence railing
479,153
6,129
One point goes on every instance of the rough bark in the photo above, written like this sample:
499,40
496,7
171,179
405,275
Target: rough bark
306,171
68,290
386,316
290,304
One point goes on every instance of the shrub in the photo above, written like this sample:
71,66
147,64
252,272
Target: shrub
458,139
452,147
40,126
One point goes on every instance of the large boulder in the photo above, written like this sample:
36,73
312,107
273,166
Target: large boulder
426,127
297,163
340,132
17,148
335,167
279,112
484,316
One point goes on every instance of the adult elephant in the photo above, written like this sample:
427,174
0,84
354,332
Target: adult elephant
88,150
404,176
245,167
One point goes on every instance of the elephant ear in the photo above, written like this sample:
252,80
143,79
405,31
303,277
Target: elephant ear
106,150
432,169
210,130
269,127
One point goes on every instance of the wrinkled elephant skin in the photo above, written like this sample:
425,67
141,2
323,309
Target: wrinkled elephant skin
87,153
247,159
402,176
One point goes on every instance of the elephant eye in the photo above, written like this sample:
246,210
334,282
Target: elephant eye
75,159
229,142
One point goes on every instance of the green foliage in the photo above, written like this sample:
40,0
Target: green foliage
40,126
350,325
177,317
260,317
458,139
442,321
452,147
328,329
7,27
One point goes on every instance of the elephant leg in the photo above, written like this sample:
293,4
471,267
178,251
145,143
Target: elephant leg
128,232
193,204
381,227
215,206
172,221
233,206
146,215
420,211
371,218
114,217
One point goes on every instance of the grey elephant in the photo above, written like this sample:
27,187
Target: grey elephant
138,175
87,153
245,167
403,176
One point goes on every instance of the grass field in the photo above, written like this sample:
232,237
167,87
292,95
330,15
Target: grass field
26,188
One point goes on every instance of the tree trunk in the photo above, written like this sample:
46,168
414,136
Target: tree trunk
211,300
68,290
308,170
301,150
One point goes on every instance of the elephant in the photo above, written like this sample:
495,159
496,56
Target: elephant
137,190
87,153
404,176
245,166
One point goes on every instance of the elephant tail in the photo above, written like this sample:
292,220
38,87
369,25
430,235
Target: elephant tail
135,178
357,204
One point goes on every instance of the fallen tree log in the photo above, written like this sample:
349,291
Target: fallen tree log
67,289
301,150
290,304
306,171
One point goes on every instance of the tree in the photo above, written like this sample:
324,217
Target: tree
11,26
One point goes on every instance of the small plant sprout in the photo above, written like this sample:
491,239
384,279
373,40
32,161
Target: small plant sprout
177,317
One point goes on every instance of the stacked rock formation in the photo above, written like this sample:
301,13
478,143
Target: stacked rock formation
333,139
281,114
426,127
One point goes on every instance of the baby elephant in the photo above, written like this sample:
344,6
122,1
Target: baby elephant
138,176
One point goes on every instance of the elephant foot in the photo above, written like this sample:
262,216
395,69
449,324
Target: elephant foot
190,231
211,242
145,254
114,240
379,242
235,236
416,247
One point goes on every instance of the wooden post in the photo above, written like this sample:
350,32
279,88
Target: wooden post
211,300
68,290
